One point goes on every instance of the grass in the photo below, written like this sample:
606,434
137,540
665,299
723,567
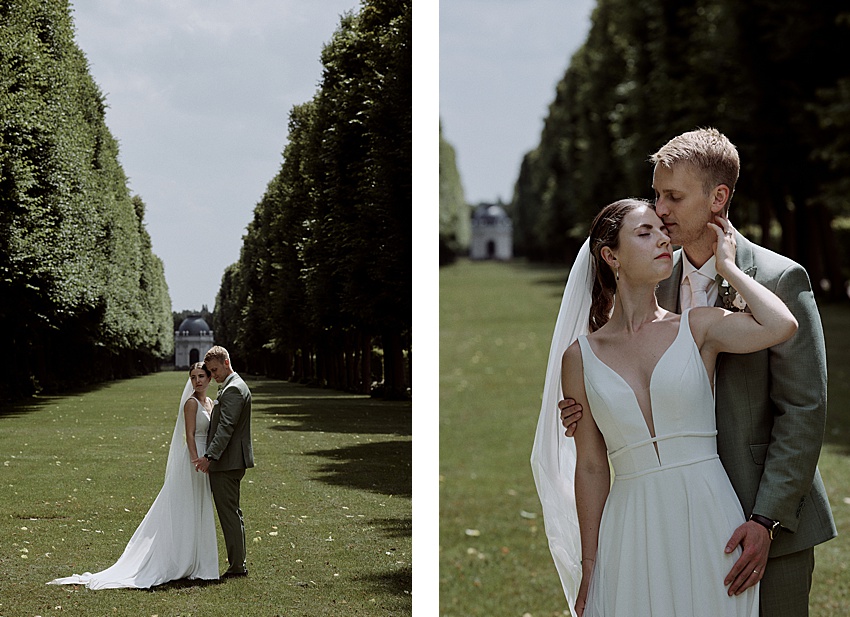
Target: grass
327,509
496,323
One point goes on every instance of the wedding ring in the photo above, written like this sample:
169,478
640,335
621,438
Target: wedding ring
729,233
755,571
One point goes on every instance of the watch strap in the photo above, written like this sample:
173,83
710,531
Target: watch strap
769,524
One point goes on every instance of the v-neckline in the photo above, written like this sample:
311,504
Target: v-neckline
209,411
682,321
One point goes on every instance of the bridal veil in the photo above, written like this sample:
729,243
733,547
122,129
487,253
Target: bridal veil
553,457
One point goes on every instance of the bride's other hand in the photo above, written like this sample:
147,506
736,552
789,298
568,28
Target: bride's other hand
581,598
578,610
725,246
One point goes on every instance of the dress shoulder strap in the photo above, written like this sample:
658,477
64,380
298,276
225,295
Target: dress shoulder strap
588,356
583,344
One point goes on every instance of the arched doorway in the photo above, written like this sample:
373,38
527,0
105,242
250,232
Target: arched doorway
194,356
491,249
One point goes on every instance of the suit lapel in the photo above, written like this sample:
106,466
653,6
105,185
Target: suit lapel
744,254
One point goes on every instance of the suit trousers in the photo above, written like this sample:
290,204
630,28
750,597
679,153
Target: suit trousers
225,490
784,590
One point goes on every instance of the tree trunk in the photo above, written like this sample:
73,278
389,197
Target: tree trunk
395,386
365,363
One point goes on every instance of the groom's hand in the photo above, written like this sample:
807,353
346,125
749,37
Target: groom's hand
202,464
754,539
570,415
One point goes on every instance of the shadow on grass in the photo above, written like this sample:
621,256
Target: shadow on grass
183,583
382,467
397,582
26,405
329,411
395,527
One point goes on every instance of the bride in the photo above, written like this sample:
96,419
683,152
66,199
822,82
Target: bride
654,541
177,537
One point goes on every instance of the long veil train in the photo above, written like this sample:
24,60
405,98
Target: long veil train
177,537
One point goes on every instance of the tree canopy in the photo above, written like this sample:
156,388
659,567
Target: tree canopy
322,289
767,74
455,226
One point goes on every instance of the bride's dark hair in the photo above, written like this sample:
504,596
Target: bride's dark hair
201,366
605,231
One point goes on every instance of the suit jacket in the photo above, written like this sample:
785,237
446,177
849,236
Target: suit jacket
771,407
229,435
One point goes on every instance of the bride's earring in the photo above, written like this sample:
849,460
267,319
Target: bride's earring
617,274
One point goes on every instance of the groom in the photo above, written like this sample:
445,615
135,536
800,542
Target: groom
229,452
770,405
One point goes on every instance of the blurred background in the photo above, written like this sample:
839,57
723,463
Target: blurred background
623,78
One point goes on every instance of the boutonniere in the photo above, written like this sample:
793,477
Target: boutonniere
732,301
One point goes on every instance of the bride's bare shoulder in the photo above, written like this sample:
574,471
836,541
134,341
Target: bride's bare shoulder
571,356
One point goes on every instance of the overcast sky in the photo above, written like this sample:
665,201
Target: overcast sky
198,95
500,61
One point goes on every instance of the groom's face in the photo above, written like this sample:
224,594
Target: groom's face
217,369
682,203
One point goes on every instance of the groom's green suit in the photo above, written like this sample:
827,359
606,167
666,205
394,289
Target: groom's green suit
771,413
230,451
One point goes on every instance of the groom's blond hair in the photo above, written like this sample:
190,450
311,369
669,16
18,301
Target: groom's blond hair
217,353
709,152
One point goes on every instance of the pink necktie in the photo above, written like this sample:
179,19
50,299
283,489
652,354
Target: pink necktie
699,285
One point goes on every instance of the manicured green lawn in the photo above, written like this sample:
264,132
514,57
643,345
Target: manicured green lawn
496,323
327,508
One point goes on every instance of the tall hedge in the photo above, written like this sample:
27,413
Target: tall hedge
83,297
455,215
322,290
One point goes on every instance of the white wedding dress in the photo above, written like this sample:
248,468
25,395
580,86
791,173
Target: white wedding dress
670,512
177,537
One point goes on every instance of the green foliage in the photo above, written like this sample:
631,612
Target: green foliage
455,224
651,69
323,282
76,267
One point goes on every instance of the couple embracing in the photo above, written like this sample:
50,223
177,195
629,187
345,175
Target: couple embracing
699,377
210,450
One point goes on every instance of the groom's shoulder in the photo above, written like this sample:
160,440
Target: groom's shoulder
239,383
768,261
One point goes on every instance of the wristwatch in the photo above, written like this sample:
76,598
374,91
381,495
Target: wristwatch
771,525
209,458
